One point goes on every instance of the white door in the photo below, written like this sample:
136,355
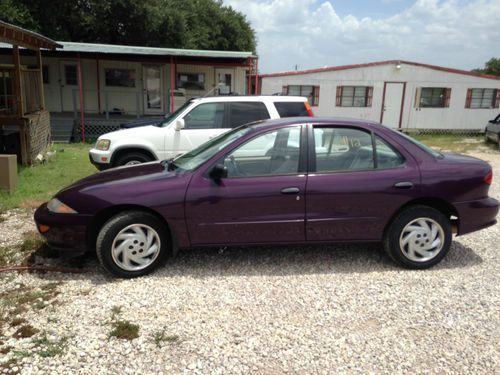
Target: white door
392,106
202,123
68,82
225,77
153,96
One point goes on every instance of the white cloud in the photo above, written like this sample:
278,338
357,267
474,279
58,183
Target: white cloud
311,34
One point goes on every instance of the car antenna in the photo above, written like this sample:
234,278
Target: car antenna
213,89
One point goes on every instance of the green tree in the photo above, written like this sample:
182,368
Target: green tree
491,67
196,24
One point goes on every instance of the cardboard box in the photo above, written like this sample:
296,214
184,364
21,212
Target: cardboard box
8,172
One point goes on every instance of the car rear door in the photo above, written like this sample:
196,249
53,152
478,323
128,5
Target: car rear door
357,181
261,200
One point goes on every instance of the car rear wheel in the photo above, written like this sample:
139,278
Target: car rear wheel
132,158
132,244
418,238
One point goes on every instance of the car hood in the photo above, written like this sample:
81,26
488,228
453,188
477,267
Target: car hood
137,132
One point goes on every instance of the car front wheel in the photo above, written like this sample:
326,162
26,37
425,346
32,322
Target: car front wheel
132,244
418,238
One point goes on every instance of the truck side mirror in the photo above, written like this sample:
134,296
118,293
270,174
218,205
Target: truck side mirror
179,124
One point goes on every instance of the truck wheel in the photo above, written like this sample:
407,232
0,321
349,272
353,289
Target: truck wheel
132,158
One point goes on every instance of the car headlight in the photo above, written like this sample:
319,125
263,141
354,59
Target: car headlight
103,144
58,207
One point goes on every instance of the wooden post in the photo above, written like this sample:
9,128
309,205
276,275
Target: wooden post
82,102
17,83
40,72
172,83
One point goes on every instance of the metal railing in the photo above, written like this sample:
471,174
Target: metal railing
104,103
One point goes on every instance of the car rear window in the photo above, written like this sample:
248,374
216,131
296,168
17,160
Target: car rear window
244,112
291,109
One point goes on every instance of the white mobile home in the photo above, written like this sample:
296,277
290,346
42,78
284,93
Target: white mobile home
113,83
400,94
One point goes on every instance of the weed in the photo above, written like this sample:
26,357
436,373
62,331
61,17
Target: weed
115,311
123,329
50,348
25,331
160,337
17,322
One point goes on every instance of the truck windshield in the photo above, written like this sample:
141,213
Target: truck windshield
170,116
196,157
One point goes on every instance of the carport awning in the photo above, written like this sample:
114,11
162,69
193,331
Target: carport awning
17,36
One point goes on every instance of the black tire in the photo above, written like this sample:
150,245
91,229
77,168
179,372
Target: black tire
401,254
131,157
112,229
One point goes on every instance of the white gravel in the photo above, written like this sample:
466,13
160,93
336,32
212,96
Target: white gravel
318,310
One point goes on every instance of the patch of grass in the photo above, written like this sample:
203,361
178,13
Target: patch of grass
123,329
17,322
46,348
37,184
454,142
160,337
25,331
18,300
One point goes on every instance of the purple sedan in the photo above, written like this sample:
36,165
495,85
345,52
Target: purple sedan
281,181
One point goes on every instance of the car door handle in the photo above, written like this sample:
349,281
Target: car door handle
290,190
403,185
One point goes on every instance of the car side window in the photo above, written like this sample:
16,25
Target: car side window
273,153
387,156
205,116
291,109
342,149
244,112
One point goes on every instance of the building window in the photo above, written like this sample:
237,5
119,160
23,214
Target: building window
481,98
310,92
354,96
191,81
120,77
434,97
70,75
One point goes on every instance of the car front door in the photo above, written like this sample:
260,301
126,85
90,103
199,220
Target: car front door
202,123
262,198
357,181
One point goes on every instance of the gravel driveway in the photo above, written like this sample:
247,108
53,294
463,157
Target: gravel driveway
318,310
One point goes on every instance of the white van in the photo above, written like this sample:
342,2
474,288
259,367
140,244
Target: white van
197,121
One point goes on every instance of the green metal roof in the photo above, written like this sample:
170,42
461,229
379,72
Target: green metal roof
137,50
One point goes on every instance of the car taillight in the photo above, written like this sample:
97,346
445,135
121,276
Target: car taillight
309,110
489,178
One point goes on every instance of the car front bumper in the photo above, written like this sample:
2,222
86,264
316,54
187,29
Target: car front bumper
477,214
66,233
100,159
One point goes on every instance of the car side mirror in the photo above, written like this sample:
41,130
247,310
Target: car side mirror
179,124
218,172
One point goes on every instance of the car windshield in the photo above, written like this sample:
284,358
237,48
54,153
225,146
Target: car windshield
196,157
170,116
426,148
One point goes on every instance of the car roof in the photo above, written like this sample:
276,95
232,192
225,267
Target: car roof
315,121
252,98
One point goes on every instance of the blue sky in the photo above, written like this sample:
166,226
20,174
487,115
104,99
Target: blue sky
315,33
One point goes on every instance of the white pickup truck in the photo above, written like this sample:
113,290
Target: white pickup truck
197,121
